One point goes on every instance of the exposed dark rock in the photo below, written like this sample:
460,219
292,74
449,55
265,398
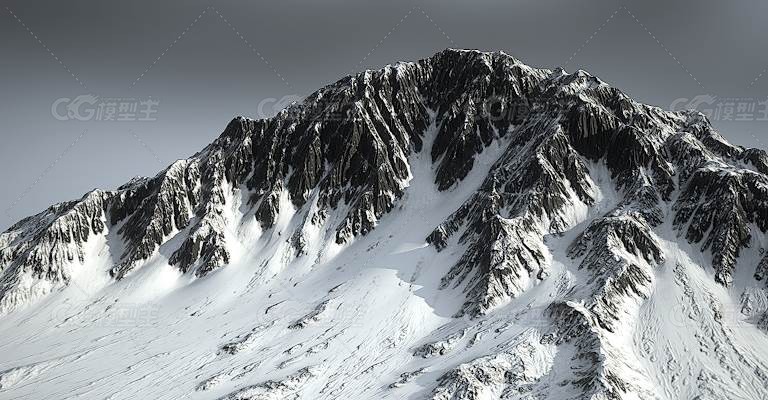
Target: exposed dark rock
716,206
43,244
616,278
345,149
761,272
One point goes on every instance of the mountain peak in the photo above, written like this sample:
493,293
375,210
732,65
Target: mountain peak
493,192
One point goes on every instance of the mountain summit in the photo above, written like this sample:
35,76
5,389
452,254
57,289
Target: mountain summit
461,227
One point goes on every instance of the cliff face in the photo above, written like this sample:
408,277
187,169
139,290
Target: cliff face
578,159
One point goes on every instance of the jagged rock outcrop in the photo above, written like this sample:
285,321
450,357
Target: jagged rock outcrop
349,143
440,347
275,389
504,375
542,181
717,206
618,250
38,250
600,369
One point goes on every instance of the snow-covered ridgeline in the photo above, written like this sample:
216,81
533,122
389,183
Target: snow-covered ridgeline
411,223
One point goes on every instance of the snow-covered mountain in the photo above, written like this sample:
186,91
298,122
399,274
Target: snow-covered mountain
461,227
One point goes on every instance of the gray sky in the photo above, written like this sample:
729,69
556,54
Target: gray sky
206,62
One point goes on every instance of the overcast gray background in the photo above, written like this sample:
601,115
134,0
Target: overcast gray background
236,55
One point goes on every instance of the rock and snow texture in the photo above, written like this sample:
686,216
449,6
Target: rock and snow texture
461,227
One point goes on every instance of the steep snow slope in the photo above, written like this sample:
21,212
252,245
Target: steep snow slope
461,227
